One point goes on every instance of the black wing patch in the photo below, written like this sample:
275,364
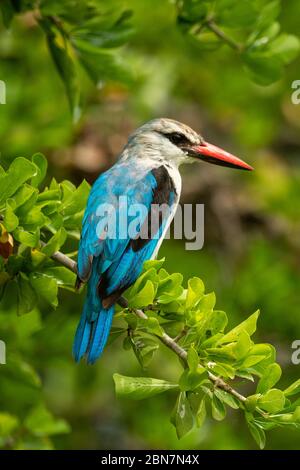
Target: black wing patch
161,195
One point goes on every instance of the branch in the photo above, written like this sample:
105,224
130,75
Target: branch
65,261
221,35
165,339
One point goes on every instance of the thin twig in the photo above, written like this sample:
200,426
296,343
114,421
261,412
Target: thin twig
171,344
180,335
220,33
63,259
165,339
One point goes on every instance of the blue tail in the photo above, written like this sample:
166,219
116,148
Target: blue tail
92,332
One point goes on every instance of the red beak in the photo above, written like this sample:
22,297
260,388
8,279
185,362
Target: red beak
212,154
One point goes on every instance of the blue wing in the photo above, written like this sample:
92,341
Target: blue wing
110,258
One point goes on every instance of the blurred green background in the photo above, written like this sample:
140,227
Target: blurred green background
252,244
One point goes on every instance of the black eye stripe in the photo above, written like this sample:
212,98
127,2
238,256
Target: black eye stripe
177,139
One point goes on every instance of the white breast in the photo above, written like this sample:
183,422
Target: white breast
176,178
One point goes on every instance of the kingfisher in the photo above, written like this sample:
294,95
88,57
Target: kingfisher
146,174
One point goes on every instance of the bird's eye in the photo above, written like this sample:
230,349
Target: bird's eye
177,138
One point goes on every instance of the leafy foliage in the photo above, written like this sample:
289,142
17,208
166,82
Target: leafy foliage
250,27
79,33
80,38
29,278
212,353
34,225
86,34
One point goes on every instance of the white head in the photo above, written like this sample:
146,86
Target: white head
167,141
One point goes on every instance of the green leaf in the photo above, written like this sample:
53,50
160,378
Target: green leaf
243,345
74,200
42,164
25,205
55,242
144,297
293,389
64,65
154,326
192,359
235,14
182,416
191,380
296,415
63,276
201,414
225,353
269,379
153,263
170,284
45,287
131,319
27,238
171,296
103,31
263,69
144,348
245,375
207,303
10,221
251,361
226,398
127,343
19,171
138,388
9,296
286,47
114,334
268,14
23,198
195,292
218,409
37,258
15,263
248,325
27,296
251,402
100,64
49,196
192,11
223,370
149,275
257,433
40,422
259,357
34,219
272,401
217,322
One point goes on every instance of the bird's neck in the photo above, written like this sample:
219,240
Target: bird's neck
147,159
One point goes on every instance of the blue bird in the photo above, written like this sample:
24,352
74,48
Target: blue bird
146,176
